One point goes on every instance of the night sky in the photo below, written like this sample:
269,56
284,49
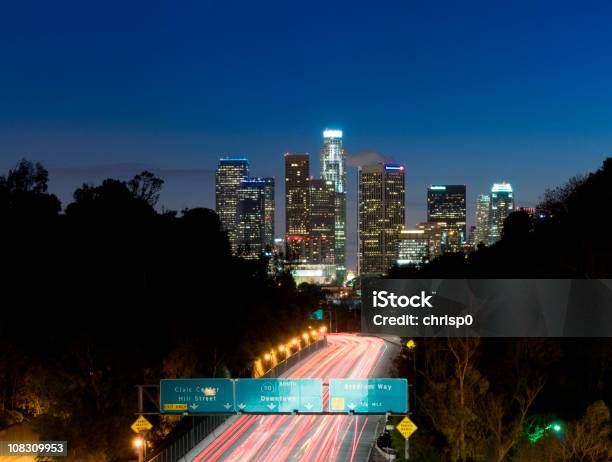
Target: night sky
461,92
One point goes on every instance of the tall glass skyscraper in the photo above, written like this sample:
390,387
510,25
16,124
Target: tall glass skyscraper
381,216
230,172
333,168
297,205
269,211
483,206
322,222
446,205
251,216
502,205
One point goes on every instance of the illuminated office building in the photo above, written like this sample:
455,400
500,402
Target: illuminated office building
483,208
312,273
446,204
413,247
502,205
381,216
471,236
251,226
269,212
297,206
433,231
333,168
230,172
279,246
322,222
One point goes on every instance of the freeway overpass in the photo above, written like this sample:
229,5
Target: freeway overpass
307,438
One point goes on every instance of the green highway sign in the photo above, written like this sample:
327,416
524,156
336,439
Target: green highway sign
368,395
196,396
317,315
279,395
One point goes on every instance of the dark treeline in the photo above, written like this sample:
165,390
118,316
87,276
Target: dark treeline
107,292
496,400
485,399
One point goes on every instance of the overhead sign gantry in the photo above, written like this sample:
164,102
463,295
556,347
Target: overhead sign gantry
283,396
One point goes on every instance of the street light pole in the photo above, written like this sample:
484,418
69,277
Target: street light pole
143,445
140,449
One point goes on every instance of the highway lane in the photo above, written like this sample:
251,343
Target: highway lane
308,438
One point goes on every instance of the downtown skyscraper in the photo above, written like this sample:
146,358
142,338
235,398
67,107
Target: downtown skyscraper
446,206
333,169
483,206
297,206
228,176
381,216
502,205
269,212
254,217
322,222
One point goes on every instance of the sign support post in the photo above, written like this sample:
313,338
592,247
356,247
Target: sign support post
141,456
141,426
406,428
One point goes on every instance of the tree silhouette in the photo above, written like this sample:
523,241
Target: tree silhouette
23,194
110,293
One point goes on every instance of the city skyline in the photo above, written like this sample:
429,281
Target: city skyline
416,207
315,213
523,96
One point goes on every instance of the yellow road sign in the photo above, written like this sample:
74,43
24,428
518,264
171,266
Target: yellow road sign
141,425
337,403
406,427
175,407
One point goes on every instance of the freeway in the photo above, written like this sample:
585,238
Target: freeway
309,438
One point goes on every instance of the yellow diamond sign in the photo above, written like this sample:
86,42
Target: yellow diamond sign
141,425
406,427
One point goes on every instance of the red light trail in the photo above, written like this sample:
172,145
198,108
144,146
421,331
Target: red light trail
307,438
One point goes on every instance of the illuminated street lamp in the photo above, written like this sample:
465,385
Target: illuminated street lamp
323,329
139,445
138,442
267,357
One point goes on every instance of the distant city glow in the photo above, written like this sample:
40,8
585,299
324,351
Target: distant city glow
332,133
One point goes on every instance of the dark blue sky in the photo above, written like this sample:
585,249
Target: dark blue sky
461,92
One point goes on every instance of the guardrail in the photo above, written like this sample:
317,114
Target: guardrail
193,429
295,358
